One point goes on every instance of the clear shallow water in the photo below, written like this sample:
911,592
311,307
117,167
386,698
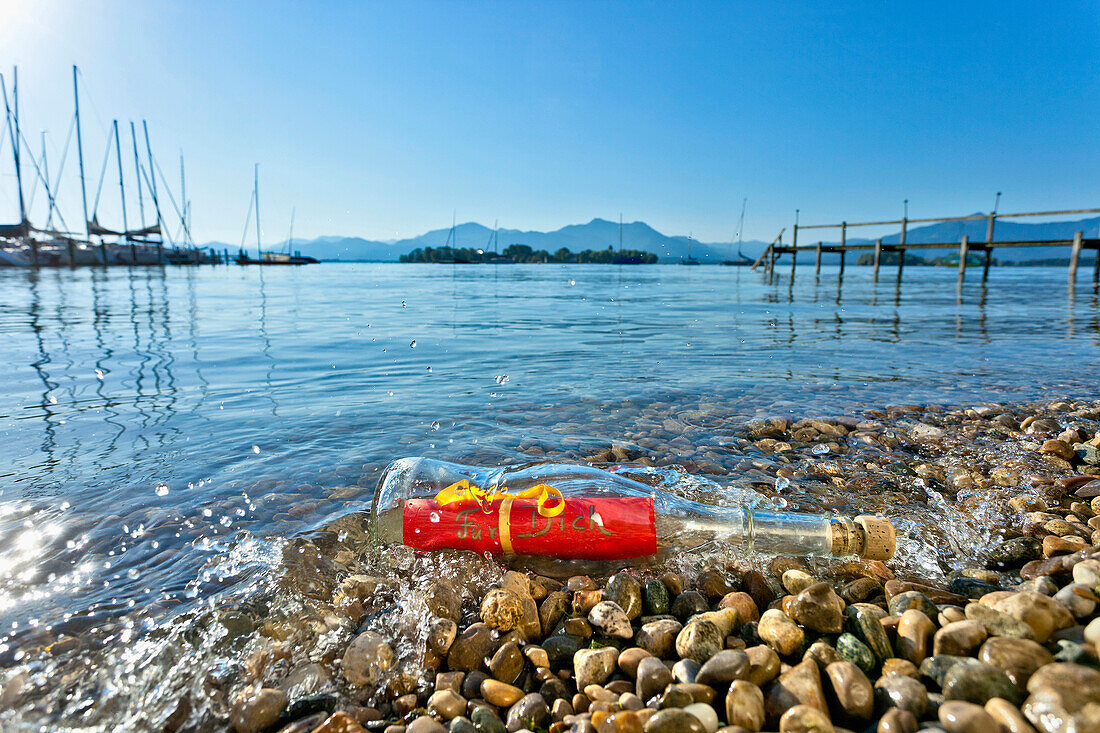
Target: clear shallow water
159,428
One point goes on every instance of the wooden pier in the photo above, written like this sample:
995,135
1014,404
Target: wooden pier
965,247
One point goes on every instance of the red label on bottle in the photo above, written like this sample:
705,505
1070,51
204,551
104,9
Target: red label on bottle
587,529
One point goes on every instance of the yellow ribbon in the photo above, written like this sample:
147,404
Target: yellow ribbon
463,491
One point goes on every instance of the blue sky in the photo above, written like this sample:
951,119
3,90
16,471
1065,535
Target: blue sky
380,119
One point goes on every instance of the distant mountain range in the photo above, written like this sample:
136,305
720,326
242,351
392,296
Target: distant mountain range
601,234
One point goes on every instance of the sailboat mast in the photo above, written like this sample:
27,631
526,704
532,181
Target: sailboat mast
153,191
46,181
137,174
741,226
122,194
256,195
290,237
13,131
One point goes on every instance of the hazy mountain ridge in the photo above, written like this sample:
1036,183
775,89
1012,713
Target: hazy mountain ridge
601,233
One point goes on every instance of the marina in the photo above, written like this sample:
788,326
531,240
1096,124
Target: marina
53,244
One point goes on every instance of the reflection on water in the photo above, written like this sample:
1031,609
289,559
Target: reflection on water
155,420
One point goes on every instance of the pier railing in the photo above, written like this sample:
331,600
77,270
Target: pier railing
1078,244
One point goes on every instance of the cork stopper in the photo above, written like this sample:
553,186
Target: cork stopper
879,542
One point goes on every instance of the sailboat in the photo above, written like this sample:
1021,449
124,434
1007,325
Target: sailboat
689,260
742,260
620,258
270,258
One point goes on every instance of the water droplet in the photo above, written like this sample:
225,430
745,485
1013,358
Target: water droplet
820,449
412,344
429,369
434,517
434,425
572,283
256,449
889,433
343,535
782,483
779,502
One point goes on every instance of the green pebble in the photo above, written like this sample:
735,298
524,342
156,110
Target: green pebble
855,651
866,627
656,598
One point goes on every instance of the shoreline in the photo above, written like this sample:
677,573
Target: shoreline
988,499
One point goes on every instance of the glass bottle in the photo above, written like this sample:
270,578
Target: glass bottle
578,512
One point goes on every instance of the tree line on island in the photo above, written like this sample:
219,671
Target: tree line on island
521,253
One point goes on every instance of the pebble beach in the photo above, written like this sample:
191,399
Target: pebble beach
390,640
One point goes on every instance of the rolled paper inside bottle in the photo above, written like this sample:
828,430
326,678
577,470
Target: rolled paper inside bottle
613,528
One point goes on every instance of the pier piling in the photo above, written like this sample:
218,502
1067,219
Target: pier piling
1074,255
964,246
878,257
817,263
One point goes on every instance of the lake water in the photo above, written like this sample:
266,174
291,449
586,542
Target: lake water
161,429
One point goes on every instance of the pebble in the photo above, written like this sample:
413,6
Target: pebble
896,720
855,651
966,717
425,724
1075,685
507,664
559,650
743,602
501,610
745,705
706,715
780,633
256,710
529,713
851,689
1078,598
629,659
687,604
685,670
800,684
723,668
976,682
611,619
624,590
594,666
658,637
1007,716
913,631
805,719
652,678
997,623
1087,572
865,625
1017,658
499,693
674,720
959,638
903,602
764,664
795,581
471,647
818,608
655,596
897,691
487,721
366,658
447,704
699,640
